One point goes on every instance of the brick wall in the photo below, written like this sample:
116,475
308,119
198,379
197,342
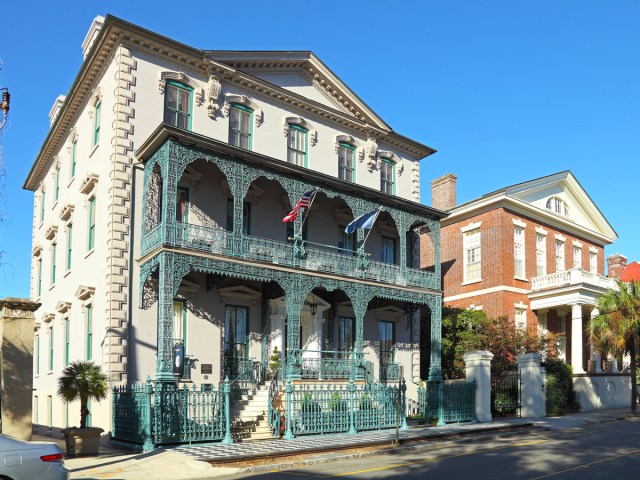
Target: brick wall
497,267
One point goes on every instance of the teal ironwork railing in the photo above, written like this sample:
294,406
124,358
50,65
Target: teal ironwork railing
148,414
276,410
319,258
447,402
329,364
389,372
189,363
248,376
348,407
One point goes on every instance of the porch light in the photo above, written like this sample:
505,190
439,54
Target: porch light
313,307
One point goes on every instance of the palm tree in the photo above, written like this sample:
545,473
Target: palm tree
617,328
84,381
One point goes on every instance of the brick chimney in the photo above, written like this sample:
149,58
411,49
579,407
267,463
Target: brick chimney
443,192
616,264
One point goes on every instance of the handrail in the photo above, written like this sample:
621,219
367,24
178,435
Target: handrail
246,381
274,413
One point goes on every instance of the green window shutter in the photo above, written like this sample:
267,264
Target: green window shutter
74,146
89,330
39,277
57,191
51,343
96,122
69,245
66,343
42,203
54,254
91,224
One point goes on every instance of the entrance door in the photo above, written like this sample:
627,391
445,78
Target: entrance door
236,339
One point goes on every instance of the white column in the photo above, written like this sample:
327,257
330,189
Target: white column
478,368
277,335
595,356
533,397
576,338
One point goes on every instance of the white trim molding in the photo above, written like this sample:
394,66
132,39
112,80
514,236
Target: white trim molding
198,92
577,243
247,102
519,223
593,249
471,226
301,122
501,288
541,231
562,238
214,87
393,157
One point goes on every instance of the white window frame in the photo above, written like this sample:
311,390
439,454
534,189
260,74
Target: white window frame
541,254
577,256
560,256
519,251
520,315
472,255
593,261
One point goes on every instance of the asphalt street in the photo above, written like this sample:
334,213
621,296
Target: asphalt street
595,451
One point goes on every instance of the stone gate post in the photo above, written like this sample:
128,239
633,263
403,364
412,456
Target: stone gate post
478,367
533,396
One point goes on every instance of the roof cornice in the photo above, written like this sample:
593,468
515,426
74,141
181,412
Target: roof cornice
502,200
164,132
117,32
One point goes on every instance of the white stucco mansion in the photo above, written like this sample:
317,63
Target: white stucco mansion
159,194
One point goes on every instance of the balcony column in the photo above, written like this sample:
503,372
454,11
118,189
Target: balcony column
169,193
576,338
164,360
596,360
435,368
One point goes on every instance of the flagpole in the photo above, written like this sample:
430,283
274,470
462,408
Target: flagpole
369,233
308,209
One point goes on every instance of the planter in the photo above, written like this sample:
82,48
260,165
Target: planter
82,441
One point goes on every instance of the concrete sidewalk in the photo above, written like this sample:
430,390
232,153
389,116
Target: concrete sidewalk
186,462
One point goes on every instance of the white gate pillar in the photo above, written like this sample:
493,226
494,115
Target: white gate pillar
533,397
478,368
576,338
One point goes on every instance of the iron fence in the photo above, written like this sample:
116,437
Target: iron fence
506,395
447,402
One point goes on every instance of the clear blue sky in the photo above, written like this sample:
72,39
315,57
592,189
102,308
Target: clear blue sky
506,91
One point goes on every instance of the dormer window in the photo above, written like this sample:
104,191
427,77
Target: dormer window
558,206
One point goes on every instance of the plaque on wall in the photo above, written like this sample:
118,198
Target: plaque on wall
206,368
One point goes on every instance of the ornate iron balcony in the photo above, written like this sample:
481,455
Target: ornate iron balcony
301,254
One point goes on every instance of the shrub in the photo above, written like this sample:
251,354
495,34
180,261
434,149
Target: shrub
560,393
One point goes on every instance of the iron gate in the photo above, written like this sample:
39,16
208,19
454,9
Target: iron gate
506,394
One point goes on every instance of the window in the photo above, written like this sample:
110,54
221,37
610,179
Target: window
346,243
240,118
387,250
177,105
518,251
180,323
89,331
559,256
35,410
593,262
37,355
346,334
39,277
521,318
57,188
69,245
91,224
387,177
542,323
96,122
297,145
472,255
236,339
54,254
74,145
541,254
577,257
346,162
386,344
42,204
246,217
558,206
51,340
67,342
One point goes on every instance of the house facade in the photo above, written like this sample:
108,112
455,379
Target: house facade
159,247
533,251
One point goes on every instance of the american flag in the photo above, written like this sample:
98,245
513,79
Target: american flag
304,202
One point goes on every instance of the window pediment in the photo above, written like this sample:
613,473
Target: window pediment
351,141
51,232
247,102
66,212
48,317
85,293
37,250
181,77
63,307
301,122
393,158
88,183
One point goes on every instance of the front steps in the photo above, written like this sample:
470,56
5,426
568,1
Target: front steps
249,416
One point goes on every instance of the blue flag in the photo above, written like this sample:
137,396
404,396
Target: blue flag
363,221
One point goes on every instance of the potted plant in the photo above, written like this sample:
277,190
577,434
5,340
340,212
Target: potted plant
274,362
82,381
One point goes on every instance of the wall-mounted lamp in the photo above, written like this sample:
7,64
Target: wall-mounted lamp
313,307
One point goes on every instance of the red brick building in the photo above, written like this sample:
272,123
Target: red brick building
533,251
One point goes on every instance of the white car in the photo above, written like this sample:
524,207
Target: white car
20,460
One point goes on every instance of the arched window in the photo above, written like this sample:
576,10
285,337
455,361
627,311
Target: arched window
177,104
557,205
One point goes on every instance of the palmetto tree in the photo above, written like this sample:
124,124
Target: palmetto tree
84,381
616,329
